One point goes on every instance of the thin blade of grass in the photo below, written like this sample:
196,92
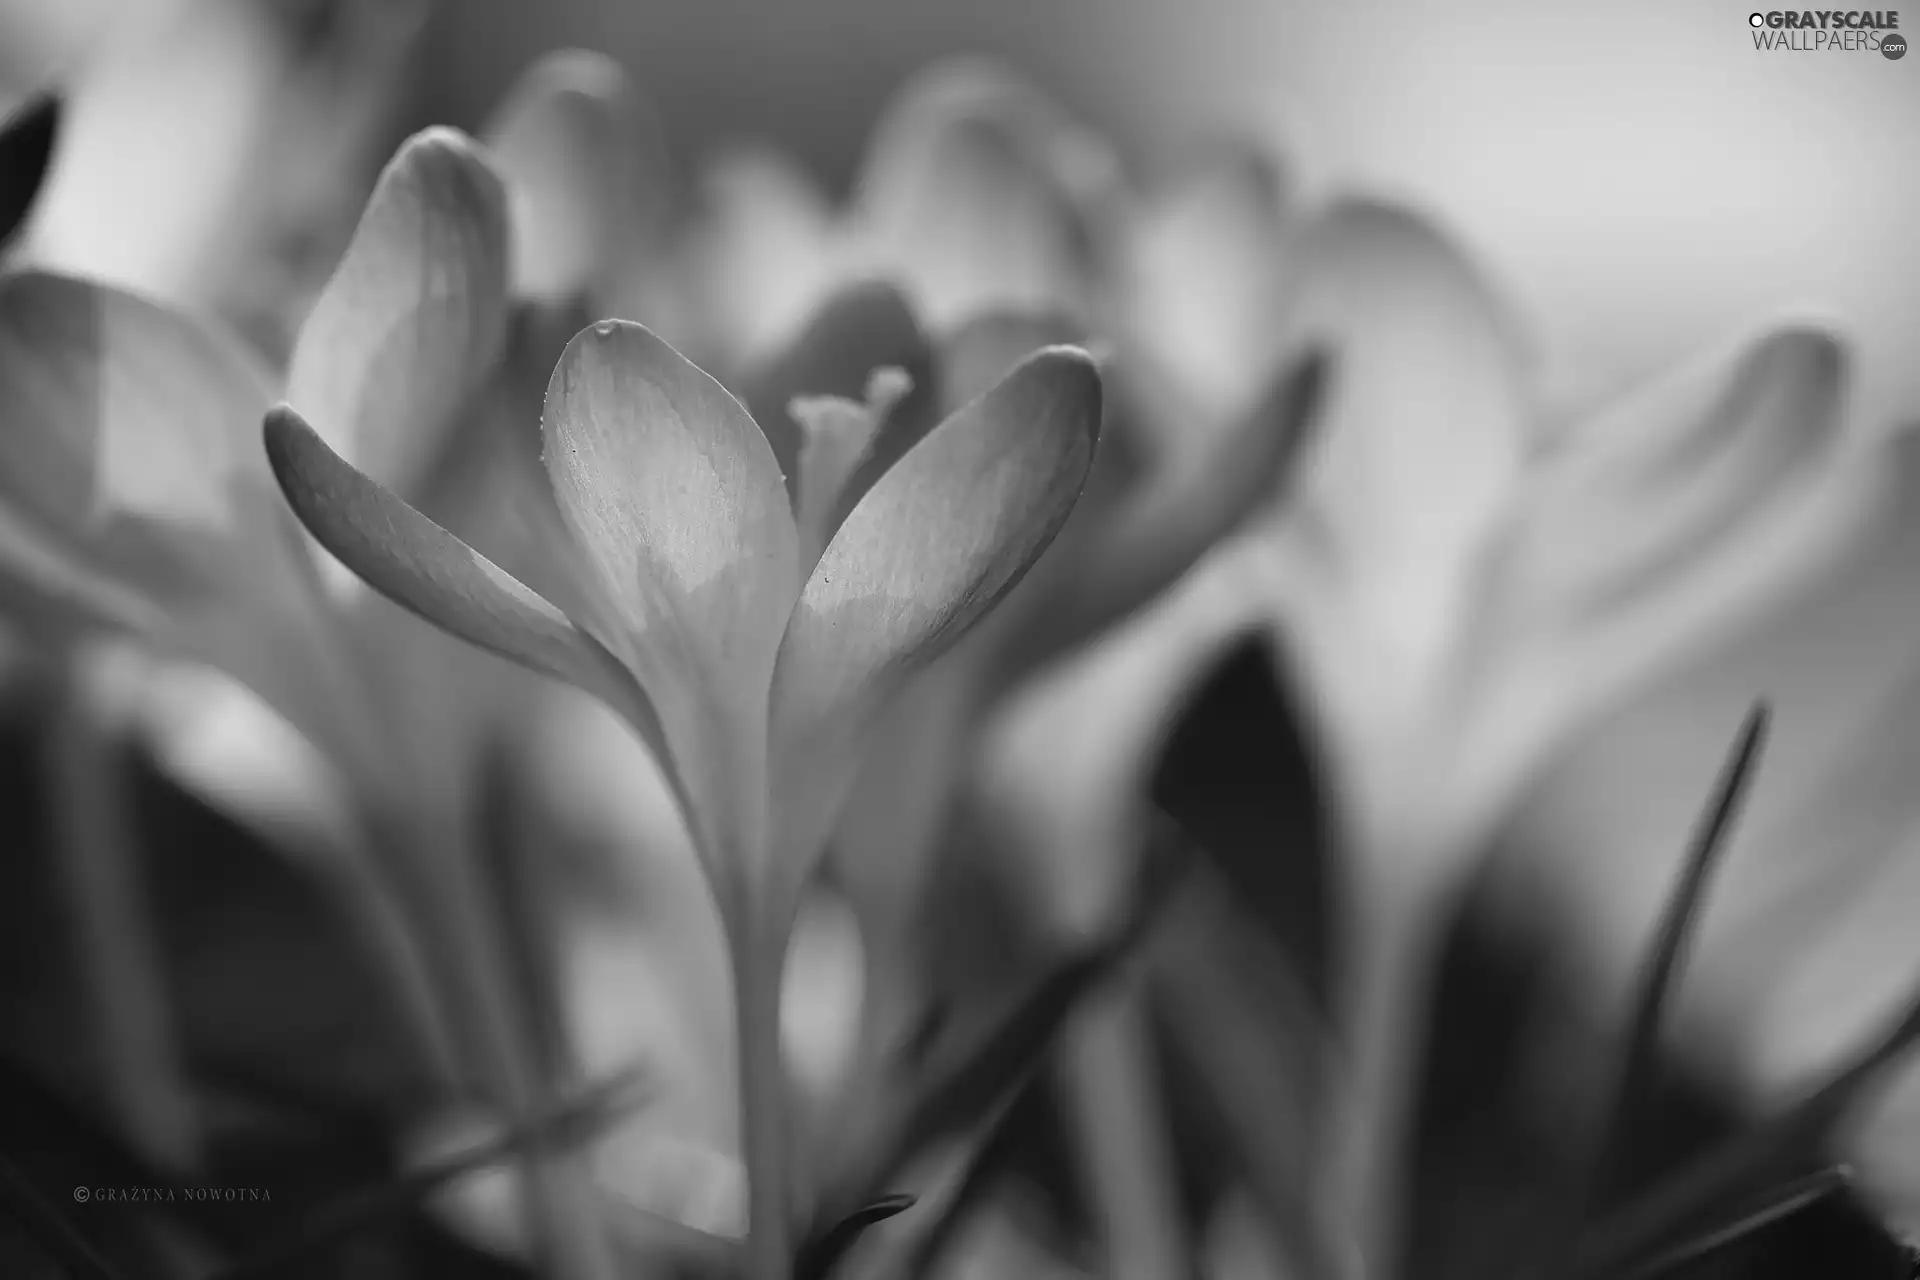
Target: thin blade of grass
49,1229
570,1124
1641,1054
1721,1174
1775,1205
1006,1055
984,1164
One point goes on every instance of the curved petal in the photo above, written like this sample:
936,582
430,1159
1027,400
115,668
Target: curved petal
1658,525
584,168
1203,281
1157,529
1416,454
126,448
761,256
1424,427
977,193
415,563
838,435
672,493
413,320
934,545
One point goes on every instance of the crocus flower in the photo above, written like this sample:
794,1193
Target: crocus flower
1456,585
750,640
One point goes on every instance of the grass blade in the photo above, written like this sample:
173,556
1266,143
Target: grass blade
1723,1173
569,1124
1775,1205
1641,1054
49,1229
1006,1056
817,1260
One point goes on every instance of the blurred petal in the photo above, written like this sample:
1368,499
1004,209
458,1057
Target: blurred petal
862,327
837,436
584,173
673,494
1203,281
1415,456
762,256
128,441
1659,524
933,546
416,563
974,357
1160,528
26,150
975,194
1424,427
413,320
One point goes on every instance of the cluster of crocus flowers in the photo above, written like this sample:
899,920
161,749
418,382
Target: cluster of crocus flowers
750,635
809,595
1456,582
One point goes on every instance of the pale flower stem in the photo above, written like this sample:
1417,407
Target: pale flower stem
759,957
98,854
1125,1152
1394,928
566,1235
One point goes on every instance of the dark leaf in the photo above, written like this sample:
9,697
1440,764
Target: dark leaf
1240,775
26,153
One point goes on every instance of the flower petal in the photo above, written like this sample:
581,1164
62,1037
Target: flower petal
862,327
837,436
1203,278
672,492
1661,523
1162,524
976,193
761,256
126,447
414,562
933,546
1415,458
584,167
26,150
413,320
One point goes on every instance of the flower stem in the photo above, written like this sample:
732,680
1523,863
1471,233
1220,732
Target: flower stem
566,1235
1126,1152
1395,937
759,957
98,853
